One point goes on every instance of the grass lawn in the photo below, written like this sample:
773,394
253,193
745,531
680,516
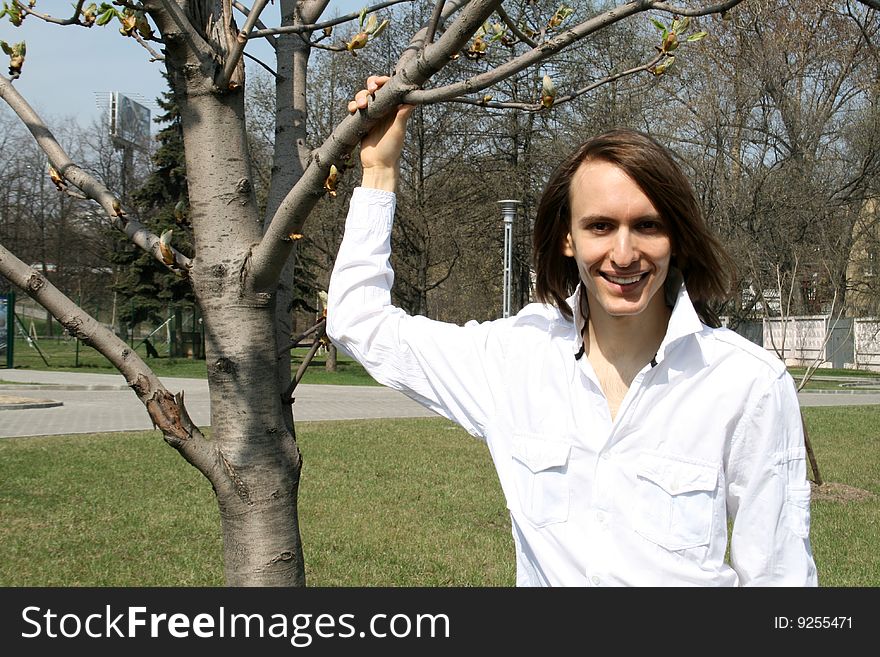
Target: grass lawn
411,502
62,355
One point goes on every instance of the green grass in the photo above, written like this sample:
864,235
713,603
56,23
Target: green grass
62,355
846,535
411,502
798,372
123,509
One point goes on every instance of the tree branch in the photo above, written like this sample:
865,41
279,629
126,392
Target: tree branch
259,24
435,20
73,20
263,64
417,43
313,27
167,411
241,39
537,107
175,24
93,189
687,11
546,49
518,33
873,4
268,257
156,57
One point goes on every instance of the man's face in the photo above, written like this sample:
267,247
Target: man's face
619,241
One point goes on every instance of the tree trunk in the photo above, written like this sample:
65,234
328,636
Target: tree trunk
330,365
255,445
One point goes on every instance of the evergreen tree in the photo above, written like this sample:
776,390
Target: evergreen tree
162,203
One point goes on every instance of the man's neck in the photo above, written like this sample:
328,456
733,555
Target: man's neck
627,342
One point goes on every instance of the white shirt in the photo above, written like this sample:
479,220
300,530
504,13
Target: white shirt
710,433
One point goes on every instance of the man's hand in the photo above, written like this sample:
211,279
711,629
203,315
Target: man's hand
381,148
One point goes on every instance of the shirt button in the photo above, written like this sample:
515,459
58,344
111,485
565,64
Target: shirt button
605,456
595,580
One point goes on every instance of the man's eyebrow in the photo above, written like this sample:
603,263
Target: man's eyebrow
654,216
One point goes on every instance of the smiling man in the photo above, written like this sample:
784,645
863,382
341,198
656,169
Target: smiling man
626,428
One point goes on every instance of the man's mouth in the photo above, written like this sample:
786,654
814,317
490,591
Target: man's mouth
623,280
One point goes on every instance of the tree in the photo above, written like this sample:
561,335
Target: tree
163,202
242,272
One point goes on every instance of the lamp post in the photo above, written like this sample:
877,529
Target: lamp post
508,212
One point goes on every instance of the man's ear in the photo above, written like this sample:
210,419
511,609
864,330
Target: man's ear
568,246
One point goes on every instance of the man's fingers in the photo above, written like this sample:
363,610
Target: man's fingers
375,82
361,98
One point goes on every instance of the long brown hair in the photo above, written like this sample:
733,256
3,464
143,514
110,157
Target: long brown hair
707,269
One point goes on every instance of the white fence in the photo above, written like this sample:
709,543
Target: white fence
867,344
843,343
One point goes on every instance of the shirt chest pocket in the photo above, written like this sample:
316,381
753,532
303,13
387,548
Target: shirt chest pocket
539,469
676,501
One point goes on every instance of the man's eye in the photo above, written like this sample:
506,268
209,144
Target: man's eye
599,226
651,226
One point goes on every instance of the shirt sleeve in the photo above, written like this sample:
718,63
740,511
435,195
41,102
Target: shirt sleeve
445,367
768,495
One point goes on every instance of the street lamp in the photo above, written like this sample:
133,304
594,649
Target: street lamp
508,212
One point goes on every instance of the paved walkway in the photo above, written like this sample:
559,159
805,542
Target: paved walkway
48,403
103,402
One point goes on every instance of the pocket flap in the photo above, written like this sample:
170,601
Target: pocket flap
538,454
676,476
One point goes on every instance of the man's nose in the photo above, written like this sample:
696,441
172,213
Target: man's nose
624,250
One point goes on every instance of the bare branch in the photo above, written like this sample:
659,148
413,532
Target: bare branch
268,257
166,410
263,64
259,24
537,107
545,50
873,4
155,56
295,342
174,23
703,11
241,39
435,20
321,46
299,29
73,20
301,370
518,33
91,187
417,42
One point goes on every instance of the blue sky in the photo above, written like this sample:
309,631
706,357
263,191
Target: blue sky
68,68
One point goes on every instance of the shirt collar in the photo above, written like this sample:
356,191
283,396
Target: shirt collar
684,320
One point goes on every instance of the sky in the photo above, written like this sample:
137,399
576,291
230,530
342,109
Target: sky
70,70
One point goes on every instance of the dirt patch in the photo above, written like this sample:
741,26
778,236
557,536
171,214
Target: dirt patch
833,492
10,399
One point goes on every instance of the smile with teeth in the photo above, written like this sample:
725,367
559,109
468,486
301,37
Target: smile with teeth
623,280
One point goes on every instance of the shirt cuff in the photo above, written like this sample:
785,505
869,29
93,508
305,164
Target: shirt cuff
371,208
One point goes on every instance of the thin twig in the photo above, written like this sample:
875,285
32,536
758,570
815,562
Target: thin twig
288,394
687,11
73,20
295,342
537,107
518,33
264,65
156,57
294,29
